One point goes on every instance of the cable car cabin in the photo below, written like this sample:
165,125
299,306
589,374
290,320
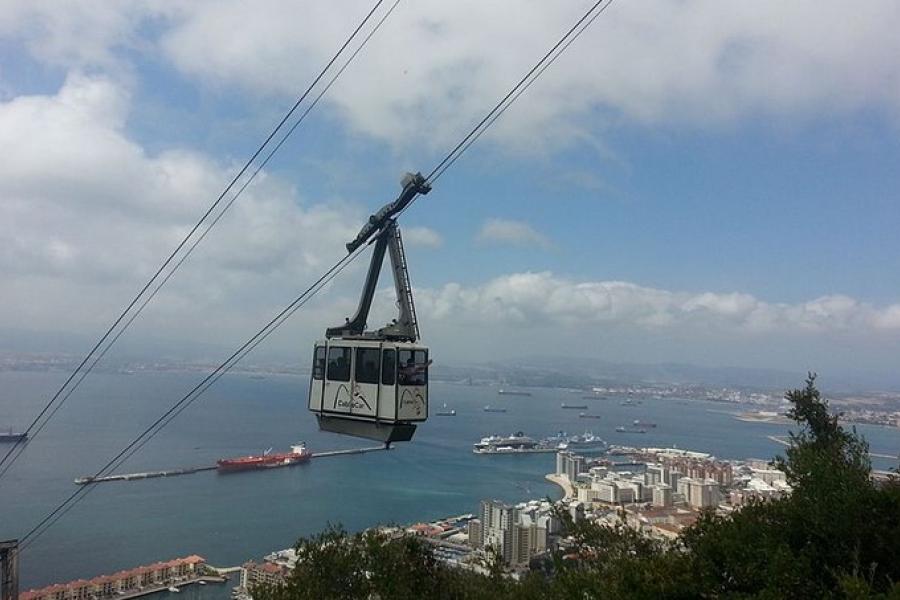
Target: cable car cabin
374,384
374,389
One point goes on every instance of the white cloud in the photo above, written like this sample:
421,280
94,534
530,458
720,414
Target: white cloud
538,299
507,231
423,237
437,66
87,215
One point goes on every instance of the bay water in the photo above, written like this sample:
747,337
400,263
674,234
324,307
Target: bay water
229,519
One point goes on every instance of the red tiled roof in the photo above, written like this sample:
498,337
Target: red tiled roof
270,568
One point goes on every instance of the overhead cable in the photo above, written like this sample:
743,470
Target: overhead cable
223,368
585,21
93,357
459,148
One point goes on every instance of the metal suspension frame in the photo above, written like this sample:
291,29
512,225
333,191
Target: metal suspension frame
383,228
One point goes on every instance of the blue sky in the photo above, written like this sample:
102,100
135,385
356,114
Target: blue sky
700,184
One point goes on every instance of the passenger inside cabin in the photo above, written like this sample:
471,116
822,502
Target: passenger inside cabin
414,373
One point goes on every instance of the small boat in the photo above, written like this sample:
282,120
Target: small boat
639,423
574,406
494,410
502,392
623,429
446,413
201,582
173,589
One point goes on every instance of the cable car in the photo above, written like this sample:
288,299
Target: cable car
374,384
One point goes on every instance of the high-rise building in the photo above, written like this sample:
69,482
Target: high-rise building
700,493
654,474
684,488
662,495
570,464
497,521
476,538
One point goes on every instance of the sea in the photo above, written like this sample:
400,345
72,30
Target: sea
229,519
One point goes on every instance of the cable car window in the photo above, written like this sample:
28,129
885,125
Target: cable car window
367,365
413,367
318,369
388,366
339,363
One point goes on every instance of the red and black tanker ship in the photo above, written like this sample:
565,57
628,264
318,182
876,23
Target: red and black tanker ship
298,454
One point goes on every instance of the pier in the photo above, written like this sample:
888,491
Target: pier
146,475
785,442
328,453
191,470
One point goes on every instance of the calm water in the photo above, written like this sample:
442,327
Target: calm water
229,519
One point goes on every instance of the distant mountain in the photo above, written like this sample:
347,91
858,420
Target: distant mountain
597,371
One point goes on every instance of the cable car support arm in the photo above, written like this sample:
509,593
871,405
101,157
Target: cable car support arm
383,228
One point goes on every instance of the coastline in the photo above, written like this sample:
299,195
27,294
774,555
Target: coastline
563,482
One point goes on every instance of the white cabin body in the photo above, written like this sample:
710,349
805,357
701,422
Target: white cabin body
380,381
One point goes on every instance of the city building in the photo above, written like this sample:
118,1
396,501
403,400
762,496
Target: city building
570,464
497,520
517,532
476,538
662,495
265,573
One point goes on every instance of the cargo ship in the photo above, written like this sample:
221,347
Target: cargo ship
298,454
9,436
502,392
574,406
623,429
496,410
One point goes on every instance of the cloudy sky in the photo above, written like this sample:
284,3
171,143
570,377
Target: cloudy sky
694,181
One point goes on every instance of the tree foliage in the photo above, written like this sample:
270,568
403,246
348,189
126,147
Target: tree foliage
836,536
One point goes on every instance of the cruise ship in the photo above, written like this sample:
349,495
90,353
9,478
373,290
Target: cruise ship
518,442
584,442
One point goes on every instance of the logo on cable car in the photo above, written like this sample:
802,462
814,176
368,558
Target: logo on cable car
350,401
413,400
